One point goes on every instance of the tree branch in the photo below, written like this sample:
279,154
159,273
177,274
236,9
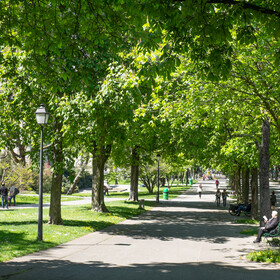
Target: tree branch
244,5
247,6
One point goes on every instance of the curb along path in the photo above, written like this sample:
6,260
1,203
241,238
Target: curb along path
184,238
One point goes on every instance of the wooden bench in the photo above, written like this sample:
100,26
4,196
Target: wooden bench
267,235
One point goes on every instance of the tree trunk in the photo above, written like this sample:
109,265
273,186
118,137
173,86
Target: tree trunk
245,184
55,204
133,194
254,188
264,172
237,182
149,182
99,158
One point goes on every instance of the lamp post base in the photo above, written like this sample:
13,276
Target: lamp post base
157,198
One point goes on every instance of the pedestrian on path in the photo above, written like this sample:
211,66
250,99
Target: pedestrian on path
12,195
224,196
218,197
199,190
4,195
217,184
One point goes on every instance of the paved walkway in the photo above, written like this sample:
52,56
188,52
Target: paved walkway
185,238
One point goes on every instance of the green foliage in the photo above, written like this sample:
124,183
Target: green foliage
267,256
17,174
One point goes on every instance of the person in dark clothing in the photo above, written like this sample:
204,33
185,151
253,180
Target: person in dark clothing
224,196
4,195
273,200
246,208
12,195
106,190
217,184
270,226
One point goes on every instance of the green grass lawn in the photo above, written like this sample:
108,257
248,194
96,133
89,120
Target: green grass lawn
143,193
19,227
33,199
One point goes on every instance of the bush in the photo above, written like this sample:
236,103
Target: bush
267,256
85,181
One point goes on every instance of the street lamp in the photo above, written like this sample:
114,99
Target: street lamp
158,158
42,117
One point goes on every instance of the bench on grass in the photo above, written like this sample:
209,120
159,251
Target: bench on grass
267,235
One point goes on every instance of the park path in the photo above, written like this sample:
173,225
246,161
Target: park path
184,238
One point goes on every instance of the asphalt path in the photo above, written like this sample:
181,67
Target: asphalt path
184,238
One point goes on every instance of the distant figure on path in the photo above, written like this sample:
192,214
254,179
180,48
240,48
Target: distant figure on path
199,190
217,184
224,196
273,200
218,197
12,195
4,195
270,226
106,190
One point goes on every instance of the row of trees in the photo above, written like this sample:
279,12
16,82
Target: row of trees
195,81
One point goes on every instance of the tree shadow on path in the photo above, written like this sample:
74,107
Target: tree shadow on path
62,269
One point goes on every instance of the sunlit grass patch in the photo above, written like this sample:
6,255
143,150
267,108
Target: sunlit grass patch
33,199
247,221
249,231
143,193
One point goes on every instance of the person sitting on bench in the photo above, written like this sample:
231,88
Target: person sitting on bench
246,208
270,226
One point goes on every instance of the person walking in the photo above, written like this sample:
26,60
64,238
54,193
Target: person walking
218,197
12,195
217,184
4,195
199,190
273,200
224,196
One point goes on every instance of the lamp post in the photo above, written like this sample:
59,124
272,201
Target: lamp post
158,158
42,117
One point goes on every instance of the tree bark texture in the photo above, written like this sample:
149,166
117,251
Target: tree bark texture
245,184
254,188
134,179
264,172
100,156
237,182
55,203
